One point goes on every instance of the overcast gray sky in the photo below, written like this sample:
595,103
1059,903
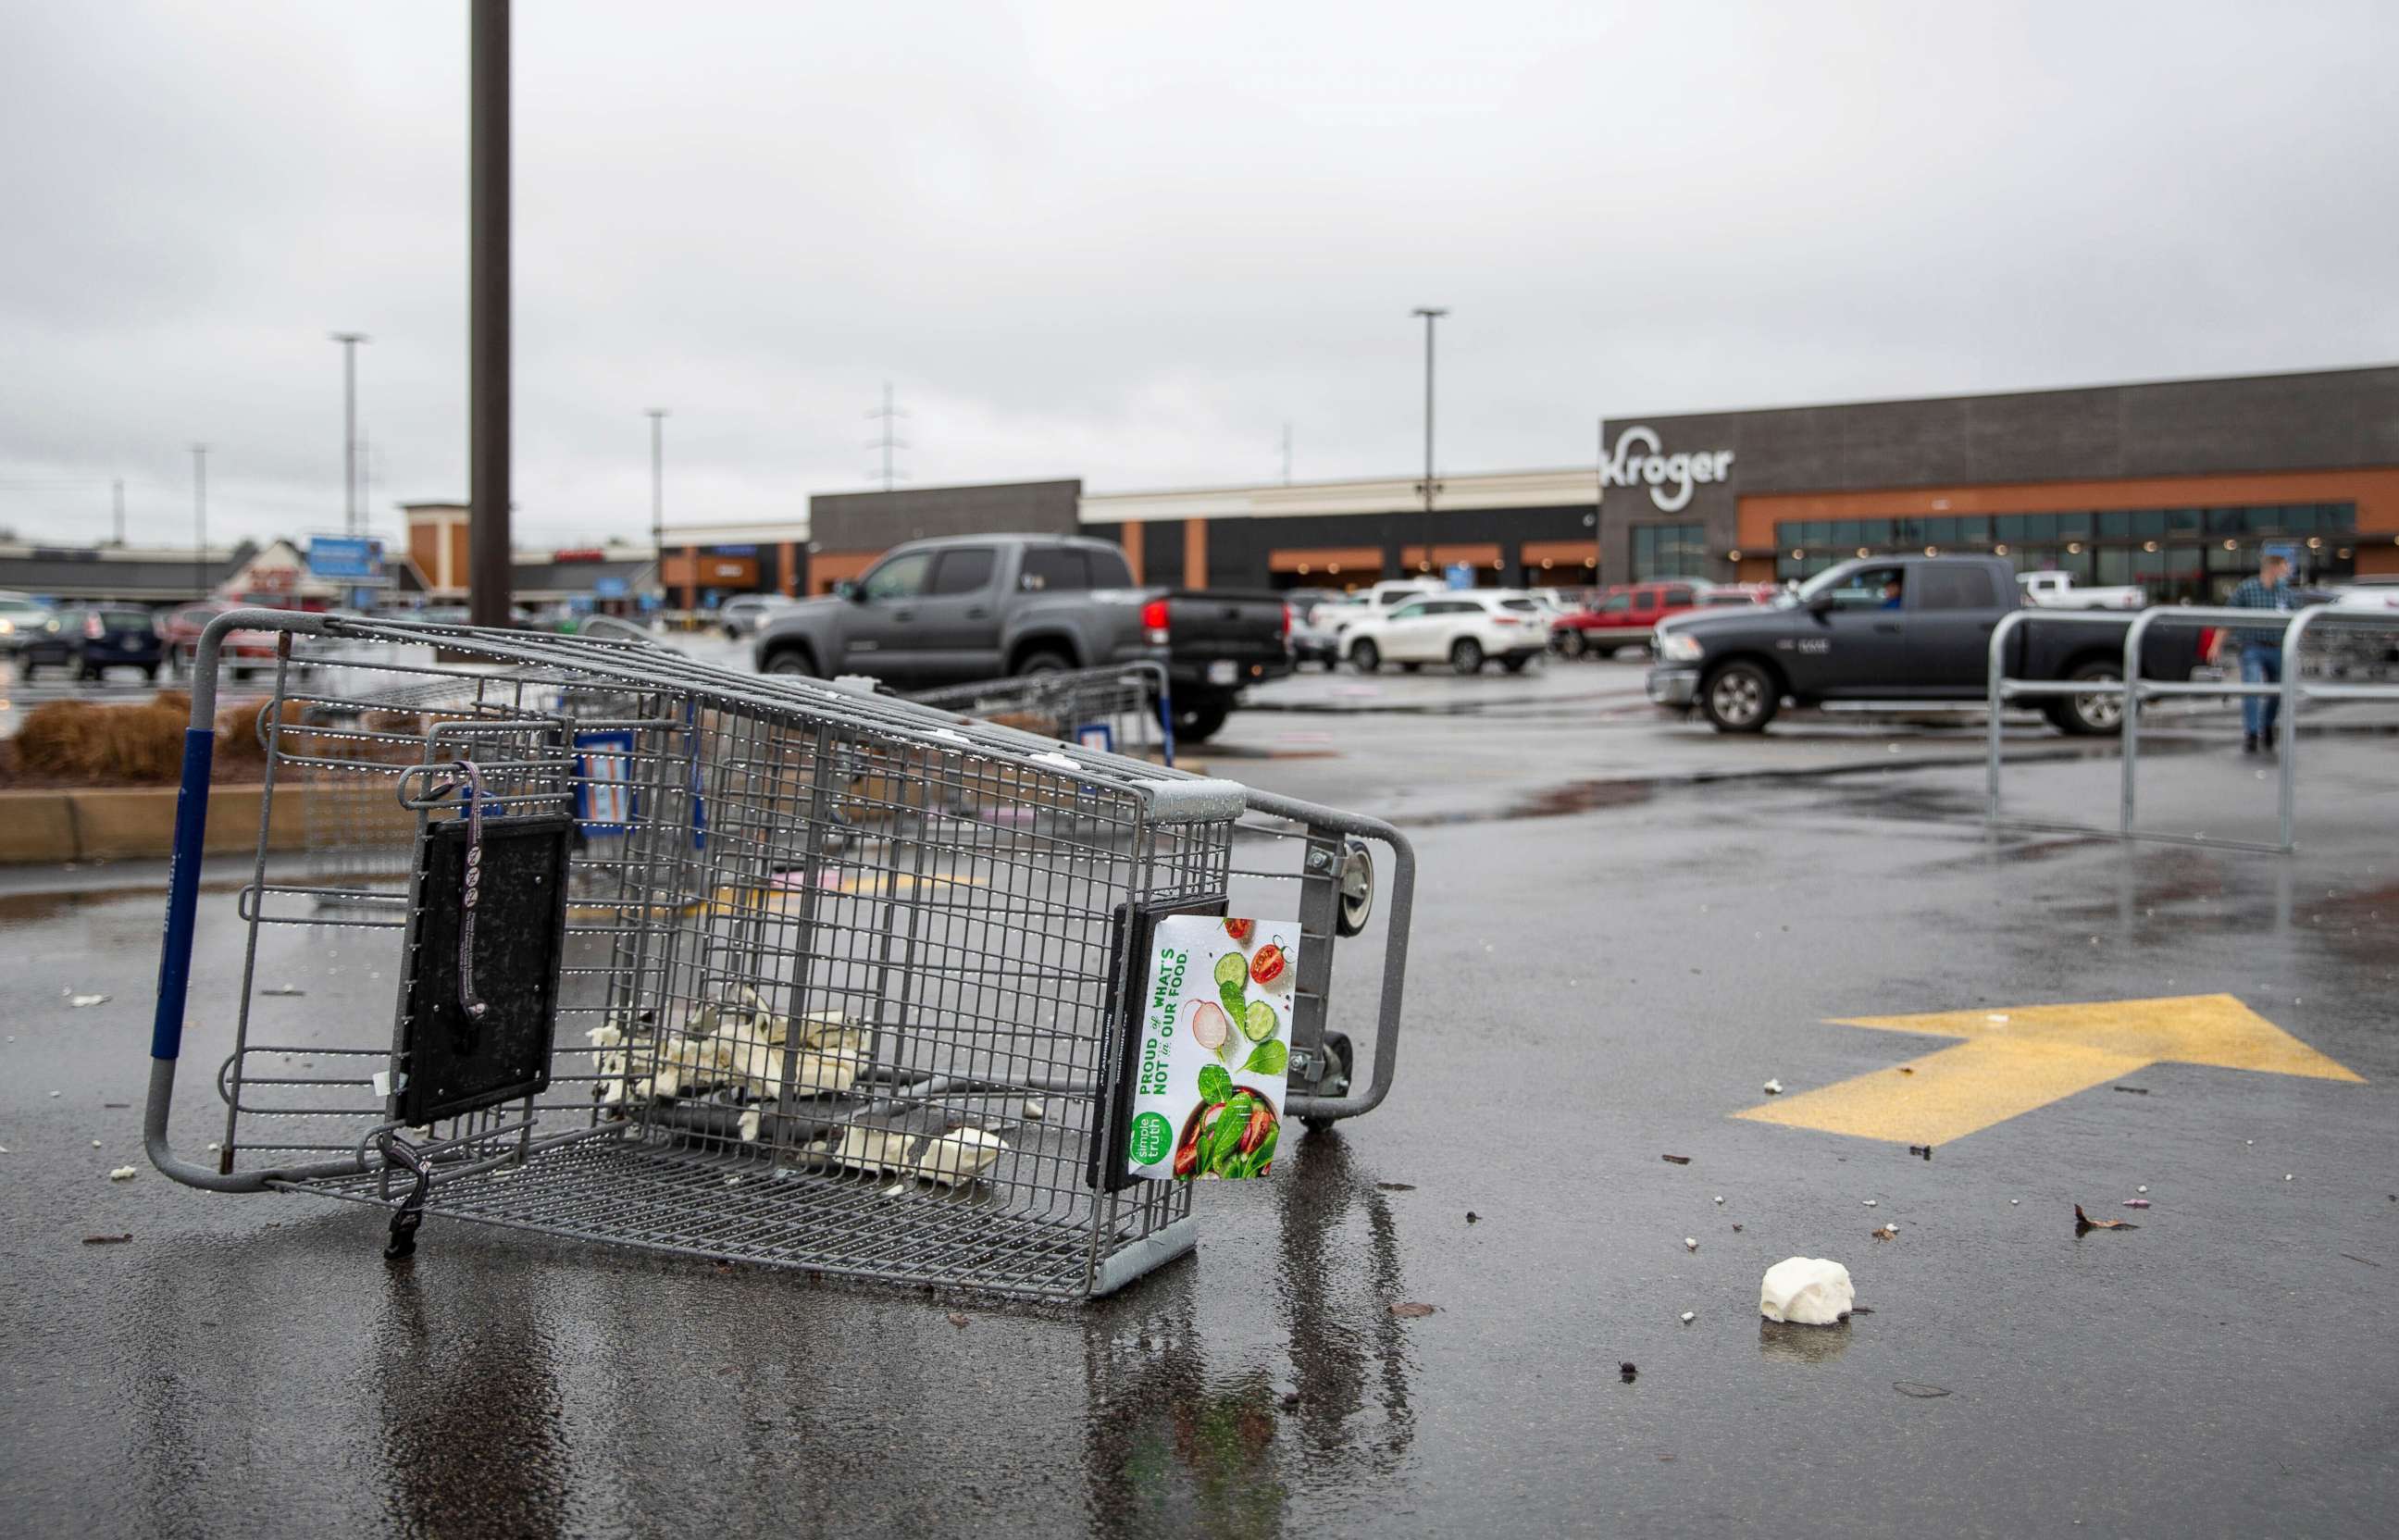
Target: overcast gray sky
1130,242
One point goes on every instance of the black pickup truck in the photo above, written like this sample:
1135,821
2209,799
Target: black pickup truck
976,607
1900,629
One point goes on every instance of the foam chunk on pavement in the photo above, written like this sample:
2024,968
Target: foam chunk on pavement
1806,1292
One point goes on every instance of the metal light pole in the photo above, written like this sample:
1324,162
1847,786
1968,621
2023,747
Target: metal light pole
200,516
488,576
1430,315
349,341
657,415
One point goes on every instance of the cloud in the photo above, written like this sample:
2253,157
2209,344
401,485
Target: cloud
1131,243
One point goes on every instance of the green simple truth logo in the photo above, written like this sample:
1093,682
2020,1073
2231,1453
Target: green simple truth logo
1151,1139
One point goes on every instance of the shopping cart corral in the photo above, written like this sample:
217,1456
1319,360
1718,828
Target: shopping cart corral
1127,708
766,970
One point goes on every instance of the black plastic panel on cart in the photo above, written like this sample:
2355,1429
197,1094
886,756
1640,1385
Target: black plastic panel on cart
449,1063
1132,939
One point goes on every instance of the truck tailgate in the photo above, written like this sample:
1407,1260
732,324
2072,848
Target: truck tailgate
1239,627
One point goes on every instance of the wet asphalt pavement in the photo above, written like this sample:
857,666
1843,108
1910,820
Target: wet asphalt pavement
1600,979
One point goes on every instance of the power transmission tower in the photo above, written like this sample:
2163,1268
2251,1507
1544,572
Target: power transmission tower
889,415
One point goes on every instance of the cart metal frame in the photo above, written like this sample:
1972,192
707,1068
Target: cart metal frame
840,973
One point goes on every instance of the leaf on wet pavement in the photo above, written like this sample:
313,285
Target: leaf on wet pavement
2084,1221
1408,1311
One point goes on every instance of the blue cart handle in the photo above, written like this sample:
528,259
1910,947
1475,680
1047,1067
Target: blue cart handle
182,892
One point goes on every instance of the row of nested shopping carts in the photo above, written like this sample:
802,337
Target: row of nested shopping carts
764,970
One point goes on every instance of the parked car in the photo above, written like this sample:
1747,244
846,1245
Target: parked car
1315,617
1732,596
243,650
1912,629
2056,590
745,615
1466,628
953,610
1624,617
23,618
95,638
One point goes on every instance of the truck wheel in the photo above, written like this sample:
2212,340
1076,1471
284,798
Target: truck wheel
1365,657
1571,645
2091,716
1740,697
791,660
1041,661
1465,655
1201,723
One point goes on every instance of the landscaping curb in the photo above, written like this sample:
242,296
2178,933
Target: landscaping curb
133,823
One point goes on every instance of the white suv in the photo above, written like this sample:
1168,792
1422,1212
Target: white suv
1464,627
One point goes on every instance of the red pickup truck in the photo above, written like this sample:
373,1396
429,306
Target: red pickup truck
1623,616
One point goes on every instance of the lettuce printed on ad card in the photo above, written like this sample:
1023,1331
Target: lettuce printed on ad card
1215,1048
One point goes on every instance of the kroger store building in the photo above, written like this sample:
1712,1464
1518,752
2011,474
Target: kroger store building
2171,486
2174,486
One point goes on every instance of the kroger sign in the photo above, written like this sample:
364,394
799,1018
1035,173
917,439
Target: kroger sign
1669,477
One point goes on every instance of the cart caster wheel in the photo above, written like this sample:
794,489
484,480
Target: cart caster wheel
1357,886
403,1234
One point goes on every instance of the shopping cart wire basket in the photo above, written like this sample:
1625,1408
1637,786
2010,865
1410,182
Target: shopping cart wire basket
762,969
1127,708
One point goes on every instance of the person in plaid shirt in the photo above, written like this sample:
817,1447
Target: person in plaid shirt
2261,648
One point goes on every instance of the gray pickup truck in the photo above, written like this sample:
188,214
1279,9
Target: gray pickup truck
976,607
1898,629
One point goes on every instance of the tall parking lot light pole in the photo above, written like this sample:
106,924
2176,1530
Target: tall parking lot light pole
349,341
200,518
657,415
488,574
1430,315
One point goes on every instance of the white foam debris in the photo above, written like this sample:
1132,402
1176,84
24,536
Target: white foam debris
1035,1110
80,1000
1690,1316
1870,1203
123,1173
1690,1244
95,1144
1806,1292
1719,1197
1774,1088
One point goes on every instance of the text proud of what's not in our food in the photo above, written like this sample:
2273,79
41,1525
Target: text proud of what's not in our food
1215,1048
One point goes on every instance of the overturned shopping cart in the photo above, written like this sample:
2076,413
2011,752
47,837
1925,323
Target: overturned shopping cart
759,969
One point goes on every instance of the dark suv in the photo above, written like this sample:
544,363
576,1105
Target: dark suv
93,639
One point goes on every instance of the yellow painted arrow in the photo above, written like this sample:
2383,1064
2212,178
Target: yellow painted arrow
2025,1056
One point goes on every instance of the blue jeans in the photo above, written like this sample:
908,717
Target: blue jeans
2261,663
